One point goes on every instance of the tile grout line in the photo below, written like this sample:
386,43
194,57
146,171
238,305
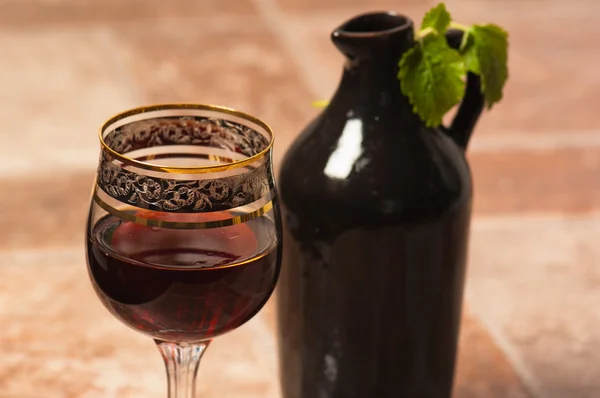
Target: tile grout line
273,16
537,142
212,22
267,354
531,220
529,382
269,10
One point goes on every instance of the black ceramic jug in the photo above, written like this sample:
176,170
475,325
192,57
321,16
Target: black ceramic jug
376,211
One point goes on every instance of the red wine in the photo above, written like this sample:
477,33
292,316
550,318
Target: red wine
183,285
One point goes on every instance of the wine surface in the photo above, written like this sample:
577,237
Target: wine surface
183,285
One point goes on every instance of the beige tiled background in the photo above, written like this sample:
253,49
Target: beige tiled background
532,321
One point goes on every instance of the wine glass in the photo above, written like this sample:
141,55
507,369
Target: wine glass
184,231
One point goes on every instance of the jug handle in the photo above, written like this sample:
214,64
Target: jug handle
472,104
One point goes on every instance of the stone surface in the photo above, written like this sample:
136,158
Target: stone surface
46,211
537,282
58,87
60,13
237,65
351,6
532,291
482,368
524,181
552,53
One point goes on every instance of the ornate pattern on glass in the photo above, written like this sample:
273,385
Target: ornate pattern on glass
187,130
185,196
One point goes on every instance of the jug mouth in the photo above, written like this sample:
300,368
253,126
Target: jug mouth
374,24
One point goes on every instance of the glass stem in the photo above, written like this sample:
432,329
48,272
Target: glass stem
182,361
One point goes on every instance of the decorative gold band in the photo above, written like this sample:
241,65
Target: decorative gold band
179,110
184,196
130,216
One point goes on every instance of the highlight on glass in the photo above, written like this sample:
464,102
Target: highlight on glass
184,231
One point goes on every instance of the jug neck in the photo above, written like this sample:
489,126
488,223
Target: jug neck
373,44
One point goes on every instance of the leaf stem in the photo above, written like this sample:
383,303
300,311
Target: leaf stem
427,31
456,25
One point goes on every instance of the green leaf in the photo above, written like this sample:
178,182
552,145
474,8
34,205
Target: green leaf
486,54
437,18
431,76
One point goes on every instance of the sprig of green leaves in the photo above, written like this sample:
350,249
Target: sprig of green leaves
485,51
432,74
437,19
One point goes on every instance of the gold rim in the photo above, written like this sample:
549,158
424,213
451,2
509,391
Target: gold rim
148,222
186,170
